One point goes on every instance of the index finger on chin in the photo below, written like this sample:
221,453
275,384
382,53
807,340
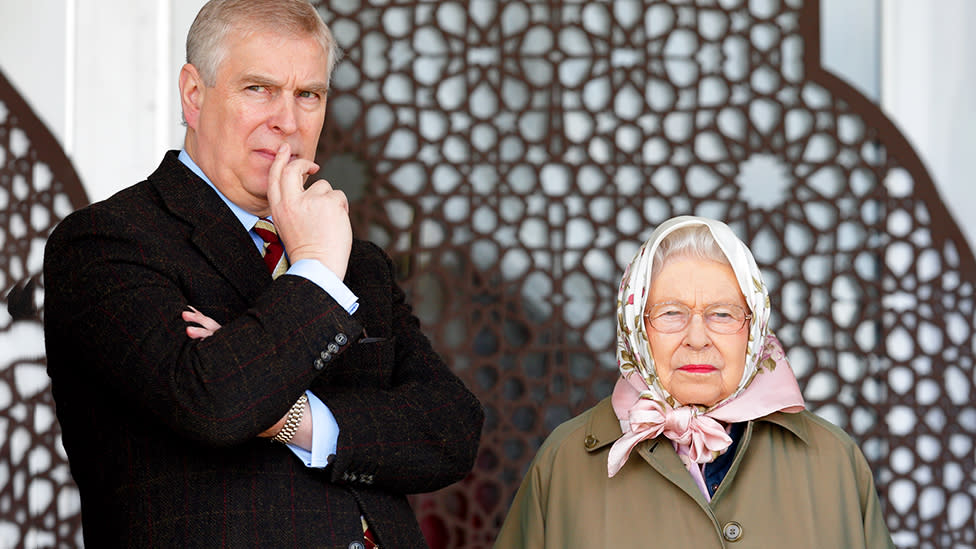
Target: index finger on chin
275,190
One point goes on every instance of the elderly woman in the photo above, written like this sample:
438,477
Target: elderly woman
705,441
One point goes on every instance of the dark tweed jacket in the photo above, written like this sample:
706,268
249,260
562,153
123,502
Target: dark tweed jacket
160,430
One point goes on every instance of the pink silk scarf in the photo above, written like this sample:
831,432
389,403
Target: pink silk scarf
644,407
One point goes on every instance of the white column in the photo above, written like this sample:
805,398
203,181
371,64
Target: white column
928,80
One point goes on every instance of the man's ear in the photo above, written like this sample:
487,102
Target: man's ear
192,90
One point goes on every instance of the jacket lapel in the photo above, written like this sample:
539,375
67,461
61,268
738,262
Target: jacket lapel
661,456
216,232
603,429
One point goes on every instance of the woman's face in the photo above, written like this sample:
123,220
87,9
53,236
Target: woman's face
696,365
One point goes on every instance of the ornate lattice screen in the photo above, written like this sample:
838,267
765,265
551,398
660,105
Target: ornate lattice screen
38,187
512,155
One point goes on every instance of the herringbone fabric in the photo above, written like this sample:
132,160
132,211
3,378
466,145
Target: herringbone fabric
273,251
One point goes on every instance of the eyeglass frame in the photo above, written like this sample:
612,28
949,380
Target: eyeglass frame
697,310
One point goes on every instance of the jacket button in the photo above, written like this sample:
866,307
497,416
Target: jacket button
732,531
319,364
356,545
333,348
341,338
590,442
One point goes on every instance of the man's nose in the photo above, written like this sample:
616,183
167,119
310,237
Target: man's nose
285,116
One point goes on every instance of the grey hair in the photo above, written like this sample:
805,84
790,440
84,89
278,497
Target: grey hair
695,241
205,47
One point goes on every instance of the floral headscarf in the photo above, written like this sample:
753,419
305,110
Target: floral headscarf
646,409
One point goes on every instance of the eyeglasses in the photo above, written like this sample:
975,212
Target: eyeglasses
721,318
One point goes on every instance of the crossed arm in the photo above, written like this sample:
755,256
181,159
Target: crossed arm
201,326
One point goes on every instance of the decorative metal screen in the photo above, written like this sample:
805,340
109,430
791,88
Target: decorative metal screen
512,156
39,504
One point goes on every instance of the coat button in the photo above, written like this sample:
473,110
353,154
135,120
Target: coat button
356,545
341,338
590,442
319,364
333,348
732,531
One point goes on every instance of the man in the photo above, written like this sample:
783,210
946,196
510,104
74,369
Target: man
293,410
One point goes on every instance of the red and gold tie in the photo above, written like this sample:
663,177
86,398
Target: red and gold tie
368,536
274,251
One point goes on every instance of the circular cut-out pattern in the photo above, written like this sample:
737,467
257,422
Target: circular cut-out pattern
39,504
512,155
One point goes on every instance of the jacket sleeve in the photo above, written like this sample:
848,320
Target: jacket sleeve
116,281
406,422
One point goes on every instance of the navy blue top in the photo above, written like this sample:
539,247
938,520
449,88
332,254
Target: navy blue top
716,470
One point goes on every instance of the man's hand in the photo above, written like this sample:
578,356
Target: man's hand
312,223
199,325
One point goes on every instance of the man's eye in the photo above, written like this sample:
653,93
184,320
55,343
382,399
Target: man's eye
308,95
255,88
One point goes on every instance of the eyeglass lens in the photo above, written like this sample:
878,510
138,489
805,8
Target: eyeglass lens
674,317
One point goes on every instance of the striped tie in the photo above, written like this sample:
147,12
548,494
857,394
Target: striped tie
368,536
273,251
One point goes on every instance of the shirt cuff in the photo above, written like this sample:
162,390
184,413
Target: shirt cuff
322,276
325,435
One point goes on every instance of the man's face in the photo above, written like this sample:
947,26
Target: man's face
270,89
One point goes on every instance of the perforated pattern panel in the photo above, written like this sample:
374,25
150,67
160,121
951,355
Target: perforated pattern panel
39,504
513,155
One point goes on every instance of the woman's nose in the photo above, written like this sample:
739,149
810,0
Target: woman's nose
696,334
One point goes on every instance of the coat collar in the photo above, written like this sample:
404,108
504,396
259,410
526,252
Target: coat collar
794,423
603,428
216,232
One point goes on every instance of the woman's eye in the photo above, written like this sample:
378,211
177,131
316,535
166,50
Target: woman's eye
724,314
672,312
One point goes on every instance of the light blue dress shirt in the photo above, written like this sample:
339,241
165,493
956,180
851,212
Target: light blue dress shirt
325,432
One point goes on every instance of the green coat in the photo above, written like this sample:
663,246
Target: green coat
796,481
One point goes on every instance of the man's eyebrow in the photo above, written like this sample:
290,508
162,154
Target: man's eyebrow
321,88
316,86
259,80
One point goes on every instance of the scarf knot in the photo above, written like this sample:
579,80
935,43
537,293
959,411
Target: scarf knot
700,436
